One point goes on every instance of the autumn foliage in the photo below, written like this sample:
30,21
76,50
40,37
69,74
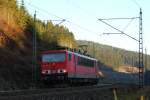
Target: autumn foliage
17,27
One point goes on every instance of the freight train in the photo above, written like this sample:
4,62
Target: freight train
68,66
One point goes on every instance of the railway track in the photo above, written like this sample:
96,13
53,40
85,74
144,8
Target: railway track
70,93
39,94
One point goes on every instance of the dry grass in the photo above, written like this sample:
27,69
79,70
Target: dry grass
128,69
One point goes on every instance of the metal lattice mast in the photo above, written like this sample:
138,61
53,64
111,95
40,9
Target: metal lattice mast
140,41
141,65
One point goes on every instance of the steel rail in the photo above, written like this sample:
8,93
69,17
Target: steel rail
60,92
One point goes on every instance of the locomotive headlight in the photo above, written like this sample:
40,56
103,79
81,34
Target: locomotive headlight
61,71
46,72
43,71
64,71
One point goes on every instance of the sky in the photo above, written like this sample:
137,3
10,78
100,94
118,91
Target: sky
82,19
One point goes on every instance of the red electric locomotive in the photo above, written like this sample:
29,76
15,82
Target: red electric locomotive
68,66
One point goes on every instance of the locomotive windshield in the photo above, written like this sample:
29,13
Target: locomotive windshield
53,57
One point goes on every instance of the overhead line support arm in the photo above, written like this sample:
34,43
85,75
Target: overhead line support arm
117,30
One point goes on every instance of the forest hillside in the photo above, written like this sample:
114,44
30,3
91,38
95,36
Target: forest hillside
17,31
17,28
113,57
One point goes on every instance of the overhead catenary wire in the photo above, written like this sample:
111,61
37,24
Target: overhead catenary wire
118,30
63,19
52,20
136,3
71,22
119,18
40,9
83,9
79,26
127,25
91,13
131,19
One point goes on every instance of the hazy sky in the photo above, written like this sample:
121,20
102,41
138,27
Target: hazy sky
82,19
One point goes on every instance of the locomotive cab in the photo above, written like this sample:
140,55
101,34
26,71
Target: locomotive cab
53,66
